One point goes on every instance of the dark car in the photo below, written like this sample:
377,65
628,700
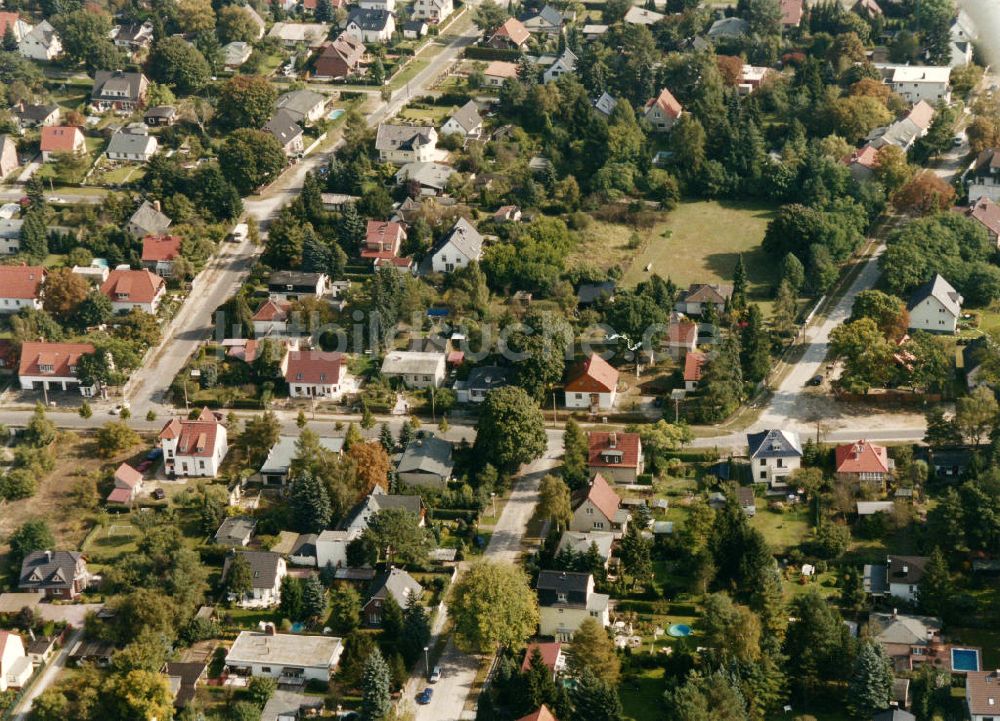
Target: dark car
159,494
816,381
424,697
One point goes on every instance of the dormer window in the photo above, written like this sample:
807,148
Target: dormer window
46,367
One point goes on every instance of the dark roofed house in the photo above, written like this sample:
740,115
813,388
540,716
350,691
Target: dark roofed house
183,679
340,58
590,293
481,381
371,25
774,455
565,600
148,219
693,300
935,307
118,91
286,131
296,284
396,583
356,520
30,115
426,461
236,531
266,569
465,121
160,115
984,178
57,574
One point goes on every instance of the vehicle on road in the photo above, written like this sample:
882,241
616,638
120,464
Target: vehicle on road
435,675
425,696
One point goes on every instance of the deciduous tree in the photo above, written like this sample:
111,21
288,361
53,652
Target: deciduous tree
493,607
511,430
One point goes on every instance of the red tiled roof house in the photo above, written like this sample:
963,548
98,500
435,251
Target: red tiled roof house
20,287
194,447
615,455
61,139
128,484
159,253
130,289
596,507
511,35
53,365
542,714
271,318
383,240
863,462
593,385
692,370
663,111
552,656
315,374
682,336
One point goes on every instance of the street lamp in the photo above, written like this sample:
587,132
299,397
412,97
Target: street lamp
427,662
493,499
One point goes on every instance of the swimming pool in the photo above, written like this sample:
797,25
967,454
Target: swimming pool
335,113
679,630
964,659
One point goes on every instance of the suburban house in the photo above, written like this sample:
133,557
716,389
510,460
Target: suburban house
592,385
663,111
235,54
127,485
987,213
15,666
315,374
498,72
396,583
982,695
918,82
311,35
8,156
402,144
590,294
370,26
580,543
461,246
133,38
132,145
20,287
331,548
480,381
565,64
682,335
864,463
31,115
10,235
288,658
61,139
236,531
542,714
296,284
605,104
286,131
339,59
906,131
596,507
305,106
693,364
565,599
909,640
159,253
121,92
511,35
862,162
615,455
52,365
194,447
774,454
791,13
548,20
60,575
984,177
266,569
752,77
279,459
935,307
42,43
433,11
358,518
425,178
693,300
898,578
148,219
414,29
465,121
642,16
552,656
271,318
383,240
415,369
426,461
134,289
18,27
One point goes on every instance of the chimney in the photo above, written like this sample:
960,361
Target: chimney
613,440
48,556
906,568
156,204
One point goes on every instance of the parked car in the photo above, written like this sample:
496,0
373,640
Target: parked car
816,380
424,697
159,494
435,675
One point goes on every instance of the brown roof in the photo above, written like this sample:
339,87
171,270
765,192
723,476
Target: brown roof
245,351
21,281
600,442
60,138
866,157
921,114
982,690
382,236
791,12
693,363
600,494
132,286
682,331
707,293
594,375
986,212
862,457
313,366
501,69
542,714
667,103
550,654
272,310
62,357
196,438
160,247
514,30
128,476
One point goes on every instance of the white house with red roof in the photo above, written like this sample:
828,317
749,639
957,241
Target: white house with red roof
20,287
383,240
271,318
693,364
863,462
315,374
663,111
128,485
862,162
615,455
61,139
596,507
52,365
552,656
15,666
194,447
791,13
511,35
593,385
130,289
682,336
159,253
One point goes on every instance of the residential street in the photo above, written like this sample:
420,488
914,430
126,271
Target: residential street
48,676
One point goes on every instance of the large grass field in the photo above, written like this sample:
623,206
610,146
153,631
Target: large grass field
699,242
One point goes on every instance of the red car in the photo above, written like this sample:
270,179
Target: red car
144,466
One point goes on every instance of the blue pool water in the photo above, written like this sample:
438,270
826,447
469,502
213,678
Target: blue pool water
964,659
298,627
679,630
335,113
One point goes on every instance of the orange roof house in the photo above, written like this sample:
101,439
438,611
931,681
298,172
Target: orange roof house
314,373
512,34
862,461
791,13
663,110
61,139
593,384
130,289
542,714
552,656
693,364
51,365
615,455
20,286
596,507
194,447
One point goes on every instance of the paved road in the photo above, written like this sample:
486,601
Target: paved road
46,679
458,670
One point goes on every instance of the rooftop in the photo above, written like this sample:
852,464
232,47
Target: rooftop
285,649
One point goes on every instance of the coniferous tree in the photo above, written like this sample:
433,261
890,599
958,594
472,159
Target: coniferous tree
740,284
376,703
595,700
386,439
309,503
936,590
313,598
324,11
870,685
290,606
416,631
34,236
755,350
575,455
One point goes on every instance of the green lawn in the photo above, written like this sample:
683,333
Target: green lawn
783,531
408,72
699,242
642,697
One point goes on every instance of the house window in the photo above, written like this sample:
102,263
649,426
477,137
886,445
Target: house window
763,475
763,462
590,511
598,524
561,597
265,669
781,463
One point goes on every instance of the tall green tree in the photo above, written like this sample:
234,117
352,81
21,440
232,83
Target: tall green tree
595,699
309,503
376,704
755,346
575,455
313,598
493,607
870,685
511,430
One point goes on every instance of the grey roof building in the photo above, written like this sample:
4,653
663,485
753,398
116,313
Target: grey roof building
302,105
60,574
464,120
126,145
378,500
265,567
396,583
370,19
283,127
395,137
426,462
148,220
279,458
894,714
430,176
774,443
590,293
481,381
942,291
118,89
236,531
729,28
605,104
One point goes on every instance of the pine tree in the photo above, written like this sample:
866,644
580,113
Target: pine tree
416,631
575,455
309,503
405,433
300,419
755,351
324,11
936,589
386,439
785,310
34,235
594,700
367,417
870,686
85,410
34,190
9,39
376,72
351,229
739,297
352,437
315,255
313,598
376,703
290,606
635,554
